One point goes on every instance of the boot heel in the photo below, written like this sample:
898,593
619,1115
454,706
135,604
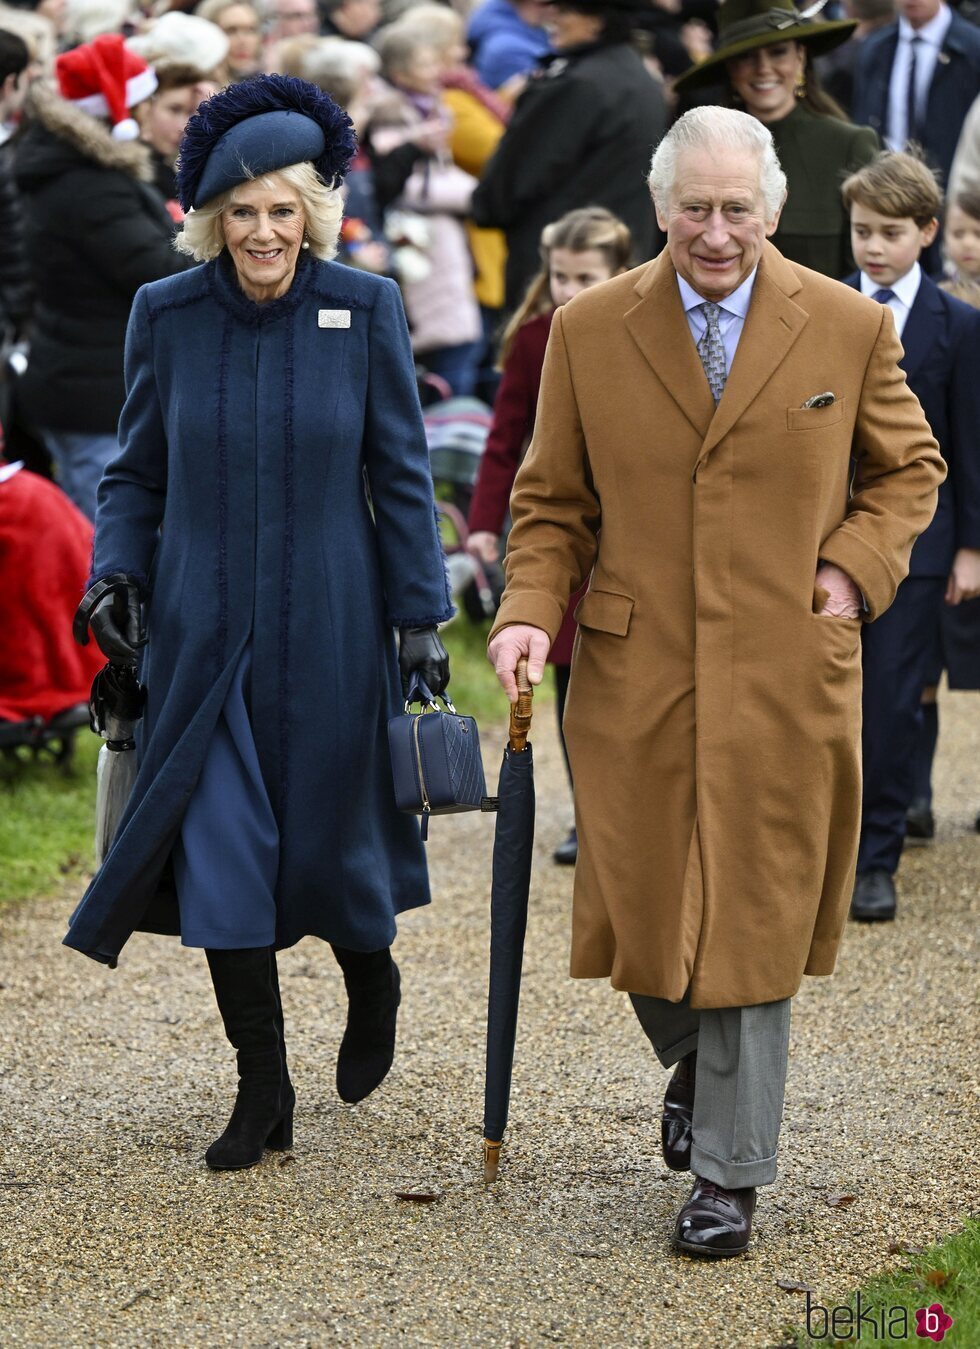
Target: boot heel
281,1137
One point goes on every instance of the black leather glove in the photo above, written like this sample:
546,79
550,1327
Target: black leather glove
112,609
422,653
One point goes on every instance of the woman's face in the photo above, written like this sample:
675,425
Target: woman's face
765,80
962,241
574,270
240,24
423,73
165,117
263,228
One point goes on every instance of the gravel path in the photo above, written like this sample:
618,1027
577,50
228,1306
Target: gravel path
113,1232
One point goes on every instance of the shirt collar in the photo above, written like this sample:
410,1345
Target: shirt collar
934,32
905,289
737,303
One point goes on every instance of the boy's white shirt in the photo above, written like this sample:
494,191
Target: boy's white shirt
904,291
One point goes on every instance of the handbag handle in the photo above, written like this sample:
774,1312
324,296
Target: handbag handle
419,692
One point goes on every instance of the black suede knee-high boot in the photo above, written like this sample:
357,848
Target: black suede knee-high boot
247,992
368,1047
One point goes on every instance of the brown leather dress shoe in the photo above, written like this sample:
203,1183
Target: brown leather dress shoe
715,1222
675,1123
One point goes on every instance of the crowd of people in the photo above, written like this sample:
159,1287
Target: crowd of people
491,164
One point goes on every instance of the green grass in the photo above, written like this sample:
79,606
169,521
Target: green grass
47,818
948,1274
47,822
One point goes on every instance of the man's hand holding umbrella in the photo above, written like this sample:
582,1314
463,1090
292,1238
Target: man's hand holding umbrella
507,648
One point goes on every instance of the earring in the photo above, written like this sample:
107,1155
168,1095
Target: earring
800,88
305,243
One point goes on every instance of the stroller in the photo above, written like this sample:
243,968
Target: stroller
456,430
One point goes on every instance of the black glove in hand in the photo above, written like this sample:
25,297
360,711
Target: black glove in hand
422,653
116,621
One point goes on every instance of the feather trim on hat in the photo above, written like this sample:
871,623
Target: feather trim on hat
260,94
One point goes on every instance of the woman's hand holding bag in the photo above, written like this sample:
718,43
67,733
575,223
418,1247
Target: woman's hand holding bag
422,655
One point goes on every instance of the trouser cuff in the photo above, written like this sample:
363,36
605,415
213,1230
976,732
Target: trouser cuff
732,1175
673,1055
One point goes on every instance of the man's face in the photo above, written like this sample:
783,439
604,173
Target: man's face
295,17
715,220
887,247
918,12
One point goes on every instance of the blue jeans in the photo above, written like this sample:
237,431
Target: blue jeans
80,458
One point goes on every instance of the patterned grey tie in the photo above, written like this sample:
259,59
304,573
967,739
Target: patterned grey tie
711,349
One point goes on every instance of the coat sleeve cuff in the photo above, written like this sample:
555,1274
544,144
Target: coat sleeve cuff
536,607
865,566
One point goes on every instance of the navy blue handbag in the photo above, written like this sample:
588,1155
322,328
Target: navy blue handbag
435,759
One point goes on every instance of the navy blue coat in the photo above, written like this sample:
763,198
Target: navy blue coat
941,340
955,84
250,440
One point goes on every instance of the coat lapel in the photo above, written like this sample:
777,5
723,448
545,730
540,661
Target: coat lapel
923,329
773,324
660,329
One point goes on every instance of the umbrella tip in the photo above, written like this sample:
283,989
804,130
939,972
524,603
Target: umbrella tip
491,1160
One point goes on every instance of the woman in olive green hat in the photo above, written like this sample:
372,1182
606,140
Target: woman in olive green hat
765,59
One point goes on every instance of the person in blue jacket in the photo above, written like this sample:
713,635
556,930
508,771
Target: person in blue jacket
271,515
894,204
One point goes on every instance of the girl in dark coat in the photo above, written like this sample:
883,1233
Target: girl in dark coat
580,250
271,510
97,230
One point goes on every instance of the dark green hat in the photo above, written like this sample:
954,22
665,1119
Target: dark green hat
746,25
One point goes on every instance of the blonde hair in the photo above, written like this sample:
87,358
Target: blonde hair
897,185
437,25
203,237
586,228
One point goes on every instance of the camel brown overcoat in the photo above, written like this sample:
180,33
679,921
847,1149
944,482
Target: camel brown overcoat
714,719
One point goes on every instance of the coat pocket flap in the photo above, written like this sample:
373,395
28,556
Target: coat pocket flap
815,419
605,611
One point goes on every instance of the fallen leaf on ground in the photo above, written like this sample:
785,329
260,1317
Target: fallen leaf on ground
840,1200
418,1196
790,1286
939,1277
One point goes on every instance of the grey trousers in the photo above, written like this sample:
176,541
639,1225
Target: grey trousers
739,1082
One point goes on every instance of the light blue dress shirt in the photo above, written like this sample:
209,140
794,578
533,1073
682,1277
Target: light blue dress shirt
931,37
731,320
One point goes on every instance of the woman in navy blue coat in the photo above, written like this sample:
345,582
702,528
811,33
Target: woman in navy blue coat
271,516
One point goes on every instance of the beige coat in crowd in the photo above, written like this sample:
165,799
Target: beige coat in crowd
713,718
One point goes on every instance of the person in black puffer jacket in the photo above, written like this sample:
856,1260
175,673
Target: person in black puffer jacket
97,231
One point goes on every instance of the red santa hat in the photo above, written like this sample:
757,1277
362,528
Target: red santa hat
105,79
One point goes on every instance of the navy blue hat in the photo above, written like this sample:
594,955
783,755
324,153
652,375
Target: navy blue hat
260,126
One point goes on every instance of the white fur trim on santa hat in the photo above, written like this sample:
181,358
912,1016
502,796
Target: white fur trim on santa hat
141,86
126,130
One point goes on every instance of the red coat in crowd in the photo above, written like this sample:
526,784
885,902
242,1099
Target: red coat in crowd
45,555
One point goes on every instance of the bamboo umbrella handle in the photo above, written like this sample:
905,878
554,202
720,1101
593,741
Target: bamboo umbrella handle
520,712
491,1160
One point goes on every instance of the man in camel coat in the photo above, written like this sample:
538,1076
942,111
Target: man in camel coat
725,442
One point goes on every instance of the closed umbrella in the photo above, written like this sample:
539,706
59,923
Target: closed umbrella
512,846
115,706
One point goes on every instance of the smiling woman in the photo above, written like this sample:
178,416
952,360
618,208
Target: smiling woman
272,449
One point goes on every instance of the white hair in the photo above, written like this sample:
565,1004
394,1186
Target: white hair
718,129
